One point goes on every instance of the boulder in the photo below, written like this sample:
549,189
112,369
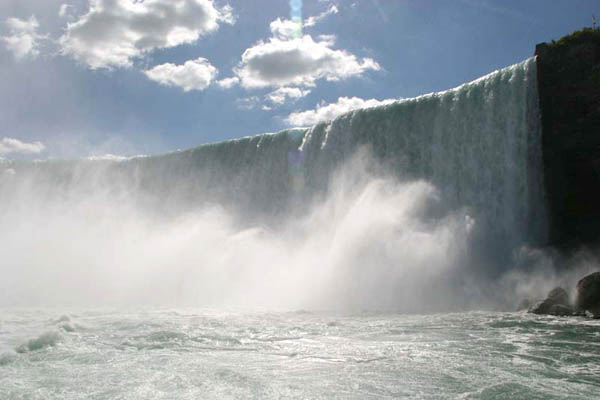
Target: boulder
546,307
556,303
561,310
541,307
588,314
588,294
558,295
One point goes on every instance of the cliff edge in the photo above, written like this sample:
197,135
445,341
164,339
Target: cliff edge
568,73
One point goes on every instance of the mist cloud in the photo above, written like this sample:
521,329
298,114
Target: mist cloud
367,242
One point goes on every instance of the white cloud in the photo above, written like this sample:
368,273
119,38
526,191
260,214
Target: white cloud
327,38
289,58
23,39
228,82
284,28
248,103
63,10
326,112
310,21
10,145
298,62
192,75
282,94
226,14
287,29
114,32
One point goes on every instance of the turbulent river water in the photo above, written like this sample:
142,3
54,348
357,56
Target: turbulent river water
204,354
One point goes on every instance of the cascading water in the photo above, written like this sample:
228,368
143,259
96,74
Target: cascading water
373,196
479,144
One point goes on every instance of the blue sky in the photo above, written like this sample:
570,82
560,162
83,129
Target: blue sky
83,78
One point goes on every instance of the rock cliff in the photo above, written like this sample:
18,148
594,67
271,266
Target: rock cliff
569,90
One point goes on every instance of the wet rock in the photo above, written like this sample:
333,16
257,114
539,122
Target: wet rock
588,294
541,307
560,310
556,297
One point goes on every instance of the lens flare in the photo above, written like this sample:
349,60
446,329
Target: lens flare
296,17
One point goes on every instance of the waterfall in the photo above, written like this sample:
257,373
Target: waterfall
478,146
478,143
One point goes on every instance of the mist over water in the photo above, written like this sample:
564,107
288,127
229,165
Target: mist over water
370,241
416,206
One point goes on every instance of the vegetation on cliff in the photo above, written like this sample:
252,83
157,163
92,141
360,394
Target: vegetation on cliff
585,35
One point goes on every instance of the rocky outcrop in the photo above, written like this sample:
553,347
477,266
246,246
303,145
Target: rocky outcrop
568,73
556,303
587,300
588,294
558,295
561,310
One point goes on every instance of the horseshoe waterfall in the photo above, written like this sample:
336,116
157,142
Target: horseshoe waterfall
362,211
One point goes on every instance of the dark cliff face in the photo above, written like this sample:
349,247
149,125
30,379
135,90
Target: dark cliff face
569,90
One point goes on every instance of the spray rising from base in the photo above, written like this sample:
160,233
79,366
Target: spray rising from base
370,241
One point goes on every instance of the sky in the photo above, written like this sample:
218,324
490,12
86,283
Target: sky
84,78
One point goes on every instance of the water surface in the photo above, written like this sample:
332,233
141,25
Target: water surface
192,354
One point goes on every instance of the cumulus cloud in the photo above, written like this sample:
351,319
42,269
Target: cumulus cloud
284,28
289,58
15,146
228,82
326,112
192,75
23,39
298,62
282,94
114,32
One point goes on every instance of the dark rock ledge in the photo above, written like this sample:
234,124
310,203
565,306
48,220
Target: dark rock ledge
587,300
568,75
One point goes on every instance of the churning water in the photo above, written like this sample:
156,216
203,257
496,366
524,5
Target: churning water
189,354
425,205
